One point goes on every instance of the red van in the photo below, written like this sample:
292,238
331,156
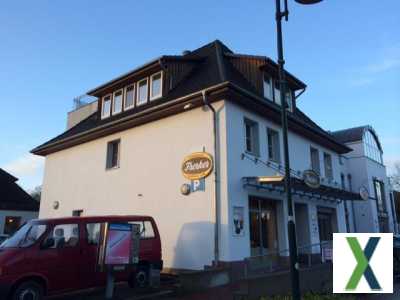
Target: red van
56,256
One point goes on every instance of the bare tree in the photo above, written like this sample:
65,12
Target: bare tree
395,177
37,193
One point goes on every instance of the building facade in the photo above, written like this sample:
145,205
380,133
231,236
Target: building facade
16,205
126,158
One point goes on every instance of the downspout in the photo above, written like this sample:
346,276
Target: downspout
216,195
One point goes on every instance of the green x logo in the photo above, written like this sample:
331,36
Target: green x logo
363,268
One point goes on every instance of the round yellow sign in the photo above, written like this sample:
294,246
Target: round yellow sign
197,165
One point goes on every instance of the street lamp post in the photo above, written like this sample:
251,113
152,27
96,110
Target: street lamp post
291,227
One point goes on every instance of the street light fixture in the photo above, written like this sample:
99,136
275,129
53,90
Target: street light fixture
294,266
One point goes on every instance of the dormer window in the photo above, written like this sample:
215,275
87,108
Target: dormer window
156,86
129,97
277,92
117,103
106,107
267,85
142,91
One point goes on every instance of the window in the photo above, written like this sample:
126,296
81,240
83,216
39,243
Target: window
328,166
64,235
113,154
129,97
11,224
277,92
380,195
289,99
156,86
142,91
314,154
267,85
273,145
77,213
93,233
251,137
106,107
341,158
342,180
146,229
26,236
117,103
371,147
350,182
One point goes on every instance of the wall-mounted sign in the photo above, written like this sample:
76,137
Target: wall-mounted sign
364,194
198,185
311,179
197,165
238,221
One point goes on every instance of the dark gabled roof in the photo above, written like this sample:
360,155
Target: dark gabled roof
354,134
12,196
212,65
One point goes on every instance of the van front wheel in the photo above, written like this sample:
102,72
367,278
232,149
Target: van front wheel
29,290
140,279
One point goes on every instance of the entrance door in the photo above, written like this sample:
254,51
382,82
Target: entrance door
263,228
325,225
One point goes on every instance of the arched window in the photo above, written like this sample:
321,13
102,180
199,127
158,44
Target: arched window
371,147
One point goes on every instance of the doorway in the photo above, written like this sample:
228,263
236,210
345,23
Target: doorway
327,224
263,226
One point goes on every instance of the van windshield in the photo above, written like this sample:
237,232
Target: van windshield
24,237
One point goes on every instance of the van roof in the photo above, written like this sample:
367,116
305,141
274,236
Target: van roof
95,219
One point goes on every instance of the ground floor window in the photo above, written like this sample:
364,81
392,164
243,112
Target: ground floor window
326,223
263,226
11,224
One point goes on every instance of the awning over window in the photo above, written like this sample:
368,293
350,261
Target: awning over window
300,188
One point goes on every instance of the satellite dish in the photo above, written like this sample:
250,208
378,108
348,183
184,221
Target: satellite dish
307,1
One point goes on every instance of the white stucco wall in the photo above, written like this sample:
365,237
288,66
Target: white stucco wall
147,182
25,216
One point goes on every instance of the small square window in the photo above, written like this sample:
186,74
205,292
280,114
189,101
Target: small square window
129,97
117,103
142,91
156,86
113,154
106,107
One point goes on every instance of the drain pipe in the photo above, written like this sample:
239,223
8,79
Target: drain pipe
216,161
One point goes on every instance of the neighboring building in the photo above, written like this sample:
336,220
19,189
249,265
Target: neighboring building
126,158
16,205
364,168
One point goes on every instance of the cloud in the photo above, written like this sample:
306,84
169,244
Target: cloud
384,65
28,169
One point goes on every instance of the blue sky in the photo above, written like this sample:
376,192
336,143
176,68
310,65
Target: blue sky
348,52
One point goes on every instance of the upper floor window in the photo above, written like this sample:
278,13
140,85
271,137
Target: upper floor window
113,154
129,96
251,136
289,96
342,181
350,183
314,155
267,85
117,103
273,145
106,107
328,166
142,91
380,195
371,147
277,92
156,86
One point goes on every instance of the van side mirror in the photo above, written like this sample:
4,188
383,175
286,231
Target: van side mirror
48,243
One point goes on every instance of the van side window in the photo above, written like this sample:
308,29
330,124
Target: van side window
65,235
146,228
93,233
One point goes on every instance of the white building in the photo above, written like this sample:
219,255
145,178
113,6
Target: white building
126,158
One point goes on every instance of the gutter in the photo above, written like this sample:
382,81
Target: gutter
216,181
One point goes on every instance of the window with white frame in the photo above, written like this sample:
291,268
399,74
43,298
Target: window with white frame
314,155
156,86
380,195
371,147
289,99
117,103
106,107
277,92
328,166
267,85
251,137
274,151
129,96
142,91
